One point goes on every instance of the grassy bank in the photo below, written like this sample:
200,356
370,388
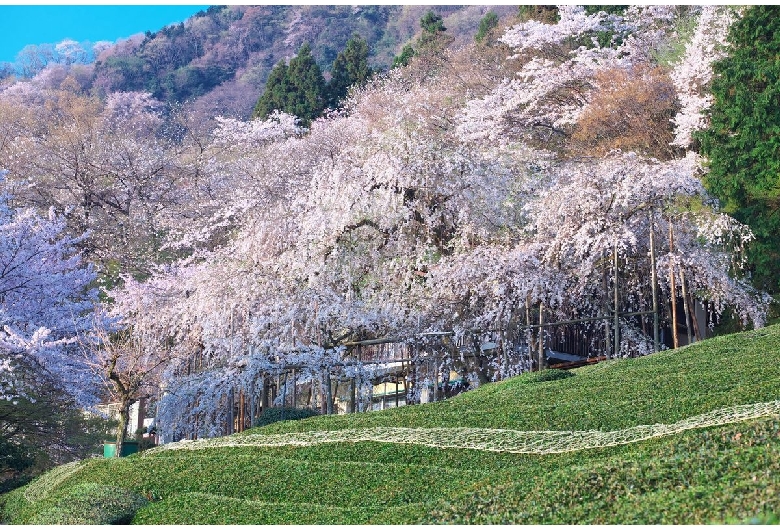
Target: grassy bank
712,474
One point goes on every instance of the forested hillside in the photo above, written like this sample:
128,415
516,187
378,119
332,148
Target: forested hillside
219,59
551,185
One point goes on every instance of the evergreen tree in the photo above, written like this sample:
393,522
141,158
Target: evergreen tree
406,55
488,23
433,27
307,95
430,43
297,89
276,94
743,140
349,68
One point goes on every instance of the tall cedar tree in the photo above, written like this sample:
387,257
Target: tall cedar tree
275,96
297,89
743,140
349,68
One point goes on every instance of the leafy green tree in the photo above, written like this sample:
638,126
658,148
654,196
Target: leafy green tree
350,68
430,43
432,23
297,89
743,139
546,14
406,55
433,27
488,23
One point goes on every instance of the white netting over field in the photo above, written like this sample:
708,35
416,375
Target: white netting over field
496,440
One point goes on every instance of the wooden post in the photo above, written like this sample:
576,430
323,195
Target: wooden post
654,282
264,394
607,331
352,392
541,362
284,389
686,309
323,395
435,378
333,408
252,405
241,410
696,331
294,388
529,333
673,288
616,309
231,419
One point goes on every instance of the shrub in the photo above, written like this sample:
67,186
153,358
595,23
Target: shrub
91,503
275,414
553,374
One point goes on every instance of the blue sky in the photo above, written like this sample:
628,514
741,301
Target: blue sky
40,24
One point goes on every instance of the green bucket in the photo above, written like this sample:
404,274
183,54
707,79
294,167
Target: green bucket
128,448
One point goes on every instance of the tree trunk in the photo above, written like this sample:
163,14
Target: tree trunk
124,420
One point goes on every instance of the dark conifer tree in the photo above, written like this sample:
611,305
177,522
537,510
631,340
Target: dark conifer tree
307,94
297,89
275,96
350,68
743,139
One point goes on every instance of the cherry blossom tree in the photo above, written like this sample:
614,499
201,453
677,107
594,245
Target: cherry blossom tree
395,217
46,302
460,210
110,169
693,73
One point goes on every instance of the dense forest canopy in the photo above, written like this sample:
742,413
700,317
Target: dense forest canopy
557,167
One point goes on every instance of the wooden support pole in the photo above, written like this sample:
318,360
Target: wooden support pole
607,331
654,287
435,378
529,334
230,404
264,393
616,309
294,388
541,362
696,331
686,308
240,419
673,288
352,393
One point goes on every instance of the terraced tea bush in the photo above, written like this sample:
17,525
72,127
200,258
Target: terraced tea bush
89,503
272,415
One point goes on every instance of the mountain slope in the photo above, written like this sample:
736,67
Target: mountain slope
225,53
719,466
